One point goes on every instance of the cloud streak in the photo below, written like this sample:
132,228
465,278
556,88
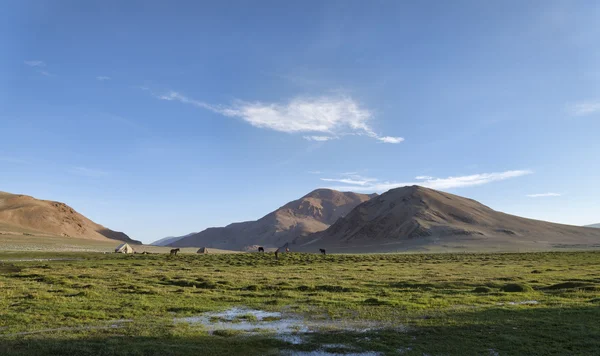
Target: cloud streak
375,185
102,78
326,117
319,138
351,181
585,108
543,195
35,63
38,65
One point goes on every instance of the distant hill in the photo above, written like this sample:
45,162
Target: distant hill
594,225
313,212
22,213
170,239
417,218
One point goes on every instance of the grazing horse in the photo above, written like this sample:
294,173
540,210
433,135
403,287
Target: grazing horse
277,254
174,252
287,249
322,250
261,249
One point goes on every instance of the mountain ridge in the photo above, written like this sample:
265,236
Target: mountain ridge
417,216
312,212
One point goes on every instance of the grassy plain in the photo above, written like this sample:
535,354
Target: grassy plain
435,304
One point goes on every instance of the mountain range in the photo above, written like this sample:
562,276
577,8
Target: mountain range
165,241
409,218
31,216
594,225
414,218
314,212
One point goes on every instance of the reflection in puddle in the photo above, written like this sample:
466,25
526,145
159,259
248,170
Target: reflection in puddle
289,328
525,302
253,320
249,320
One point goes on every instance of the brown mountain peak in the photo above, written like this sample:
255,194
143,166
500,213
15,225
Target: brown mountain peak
22,212
415,215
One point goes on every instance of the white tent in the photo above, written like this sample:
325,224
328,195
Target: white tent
124,248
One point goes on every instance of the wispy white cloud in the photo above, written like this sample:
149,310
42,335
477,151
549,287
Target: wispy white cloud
314,172
38,65
357,180
319,138
390,139
331,116
377,185
585,108
102,78
88,172
35,63
424,177
175,96
543,195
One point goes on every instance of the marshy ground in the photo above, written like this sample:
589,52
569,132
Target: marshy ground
304,304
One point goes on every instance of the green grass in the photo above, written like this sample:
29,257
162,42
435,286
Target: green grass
458,304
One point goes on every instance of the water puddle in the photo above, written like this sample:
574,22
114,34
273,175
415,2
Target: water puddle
252,320
248,320
290,328
525,302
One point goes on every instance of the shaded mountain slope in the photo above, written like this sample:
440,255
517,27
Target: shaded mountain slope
313,212
165,241
415,217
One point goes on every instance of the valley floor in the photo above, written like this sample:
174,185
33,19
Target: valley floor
77,303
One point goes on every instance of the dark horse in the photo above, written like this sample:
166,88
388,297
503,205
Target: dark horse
261,249
322,250
174,252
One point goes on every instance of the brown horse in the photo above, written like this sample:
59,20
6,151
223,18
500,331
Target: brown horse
261,249
322,250
174,252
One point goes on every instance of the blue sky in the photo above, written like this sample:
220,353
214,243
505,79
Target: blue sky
161,118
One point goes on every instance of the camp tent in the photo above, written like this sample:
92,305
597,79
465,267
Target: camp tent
124,248
202,250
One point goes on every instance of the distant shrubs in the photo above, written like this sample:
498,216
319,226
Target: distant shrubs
199,283
375,301
482,290
571,285
333,288
227,333
326,288
516,288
